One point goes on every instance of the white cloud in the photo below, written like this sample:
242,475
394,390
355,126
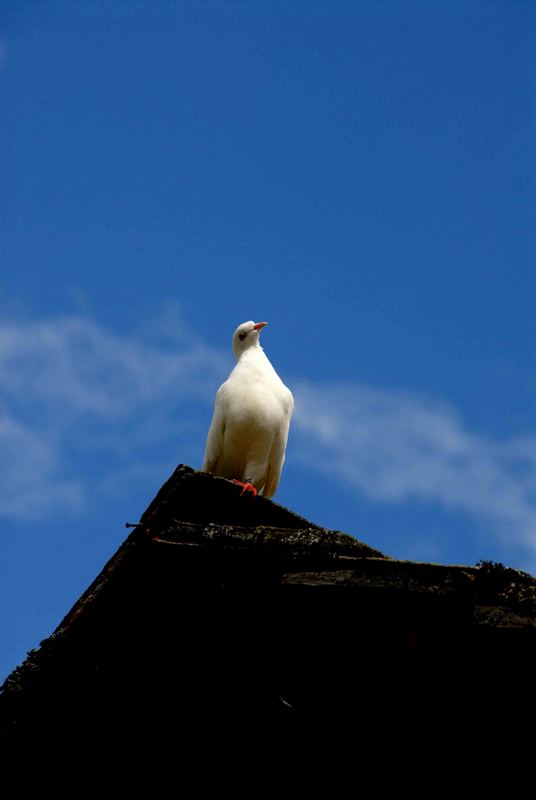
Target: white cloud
399,446
30,485
78,366
71,387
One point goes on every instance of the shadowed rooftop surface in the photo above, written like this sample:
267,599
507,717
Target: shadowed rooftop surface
224,614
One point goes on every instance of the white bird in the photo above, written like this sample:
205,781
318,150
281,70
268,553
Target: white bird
249,430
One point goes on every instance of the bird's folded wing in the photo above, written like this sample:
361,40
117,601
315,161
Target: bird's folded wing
277,454
214,445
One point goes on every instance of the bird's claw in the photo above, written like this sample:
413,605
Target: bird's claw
246,487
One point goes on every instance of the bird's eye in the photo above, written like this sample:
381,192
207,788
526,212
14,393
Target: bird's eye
242,336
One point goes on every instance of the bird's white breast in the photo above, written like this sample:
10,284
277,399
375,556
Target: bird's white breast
248,434
256,405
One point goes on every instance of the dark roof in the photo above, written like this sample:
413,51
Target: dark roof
227,607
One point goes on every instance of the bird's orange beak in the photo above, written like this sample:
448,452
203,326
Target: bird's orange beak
259,325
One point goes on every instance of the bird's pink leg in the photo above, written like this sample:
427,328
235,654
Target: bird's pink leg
246,487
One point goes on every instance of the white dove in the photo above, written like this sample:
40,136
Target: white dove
249,430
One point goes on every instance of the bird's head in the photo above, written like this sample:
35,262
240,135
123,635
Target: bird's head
246,336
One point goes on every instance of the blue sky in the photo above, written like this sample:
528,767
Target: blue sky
359,174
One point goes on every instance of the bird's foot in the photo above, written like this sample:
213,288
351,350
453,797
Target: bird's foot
246,487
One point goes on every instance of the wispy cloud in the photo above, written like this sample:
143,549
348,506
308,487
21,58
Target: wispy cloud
80,367
400,446
74,391
31,485
70,386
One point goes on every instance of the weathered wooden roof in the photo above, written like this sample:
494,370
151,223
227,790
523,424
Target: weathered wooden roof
221,604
